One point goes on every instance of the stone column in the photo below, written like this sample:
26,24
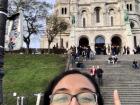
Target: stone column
92,45
74,23
130,41
108,44
130,38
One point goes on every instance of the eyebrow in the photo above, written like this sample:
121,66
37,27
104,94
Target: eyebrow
87,89
61,89
81,89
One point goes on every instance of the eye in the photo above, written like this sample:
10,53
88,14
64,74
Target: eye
60,98
87,98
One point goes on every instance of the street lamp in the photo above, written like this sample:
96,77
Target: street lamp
3,18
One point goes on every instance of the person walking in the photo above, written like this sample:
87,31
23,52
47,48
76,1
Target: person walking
99,73
93,72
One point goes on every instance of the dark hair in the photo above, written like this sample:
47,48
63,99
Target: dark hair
55,81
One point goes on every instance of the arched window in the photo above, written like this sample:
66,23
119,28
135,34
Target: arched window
67,44
112,21
65,10
61,43
62,10
97,12
135,41
84,16
127,7
111,11
99,40
84,22
84,11
130,7
132,25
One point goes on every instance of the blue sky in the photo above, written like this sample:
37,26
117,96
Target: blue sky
51,1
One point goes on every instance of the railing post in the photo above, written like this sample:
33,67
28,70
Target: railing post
39,95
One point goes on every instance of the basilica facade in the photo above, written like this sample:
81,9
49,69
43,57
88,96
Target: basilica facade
99,24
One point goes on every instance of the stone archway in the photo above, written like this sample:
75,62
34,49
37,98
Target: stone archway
83,41
116,44
100,45
116,41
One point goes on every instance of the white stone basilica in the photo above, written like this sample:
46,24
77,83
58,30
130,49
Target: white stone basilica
98,23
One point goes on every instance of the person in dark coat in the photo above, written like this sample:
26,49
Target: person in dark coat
135,64
99,73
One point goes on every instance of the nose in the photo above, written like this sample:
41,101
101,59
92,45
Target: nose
74,101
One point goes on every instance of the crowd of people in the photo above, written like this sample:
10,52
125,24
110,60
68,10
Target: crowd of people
88,53
112,59
137,50
126,50
79,54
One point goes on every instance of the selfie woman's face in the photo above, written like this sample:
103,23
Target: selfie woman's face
74,89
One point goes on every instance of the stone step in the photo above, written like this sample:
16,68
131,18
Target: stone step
130,87
105,62
120,76
123,102
113,69
134,103
133,92
121,57
125,87
125,99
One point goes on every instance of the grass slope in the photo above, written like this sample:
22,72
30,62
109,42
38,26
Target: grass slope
29,74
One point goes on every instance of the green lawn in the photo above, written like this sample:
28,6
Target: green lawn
29,74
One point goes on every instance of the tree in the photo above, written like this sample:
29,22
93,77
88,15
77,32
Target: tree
55,26
33,11
41,6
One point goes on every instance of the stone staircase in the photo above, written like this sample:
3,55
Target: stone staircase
119,76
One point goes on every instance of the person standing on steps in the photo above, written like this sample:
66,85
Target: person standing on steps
99,73
135,64
93,72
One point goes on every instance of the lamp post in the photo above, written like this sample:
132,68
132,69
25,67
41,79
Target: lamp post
3,18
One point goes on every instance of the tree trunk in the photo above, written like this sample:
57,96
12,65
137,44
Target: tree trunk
27,41
49,47
60,42
27,45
